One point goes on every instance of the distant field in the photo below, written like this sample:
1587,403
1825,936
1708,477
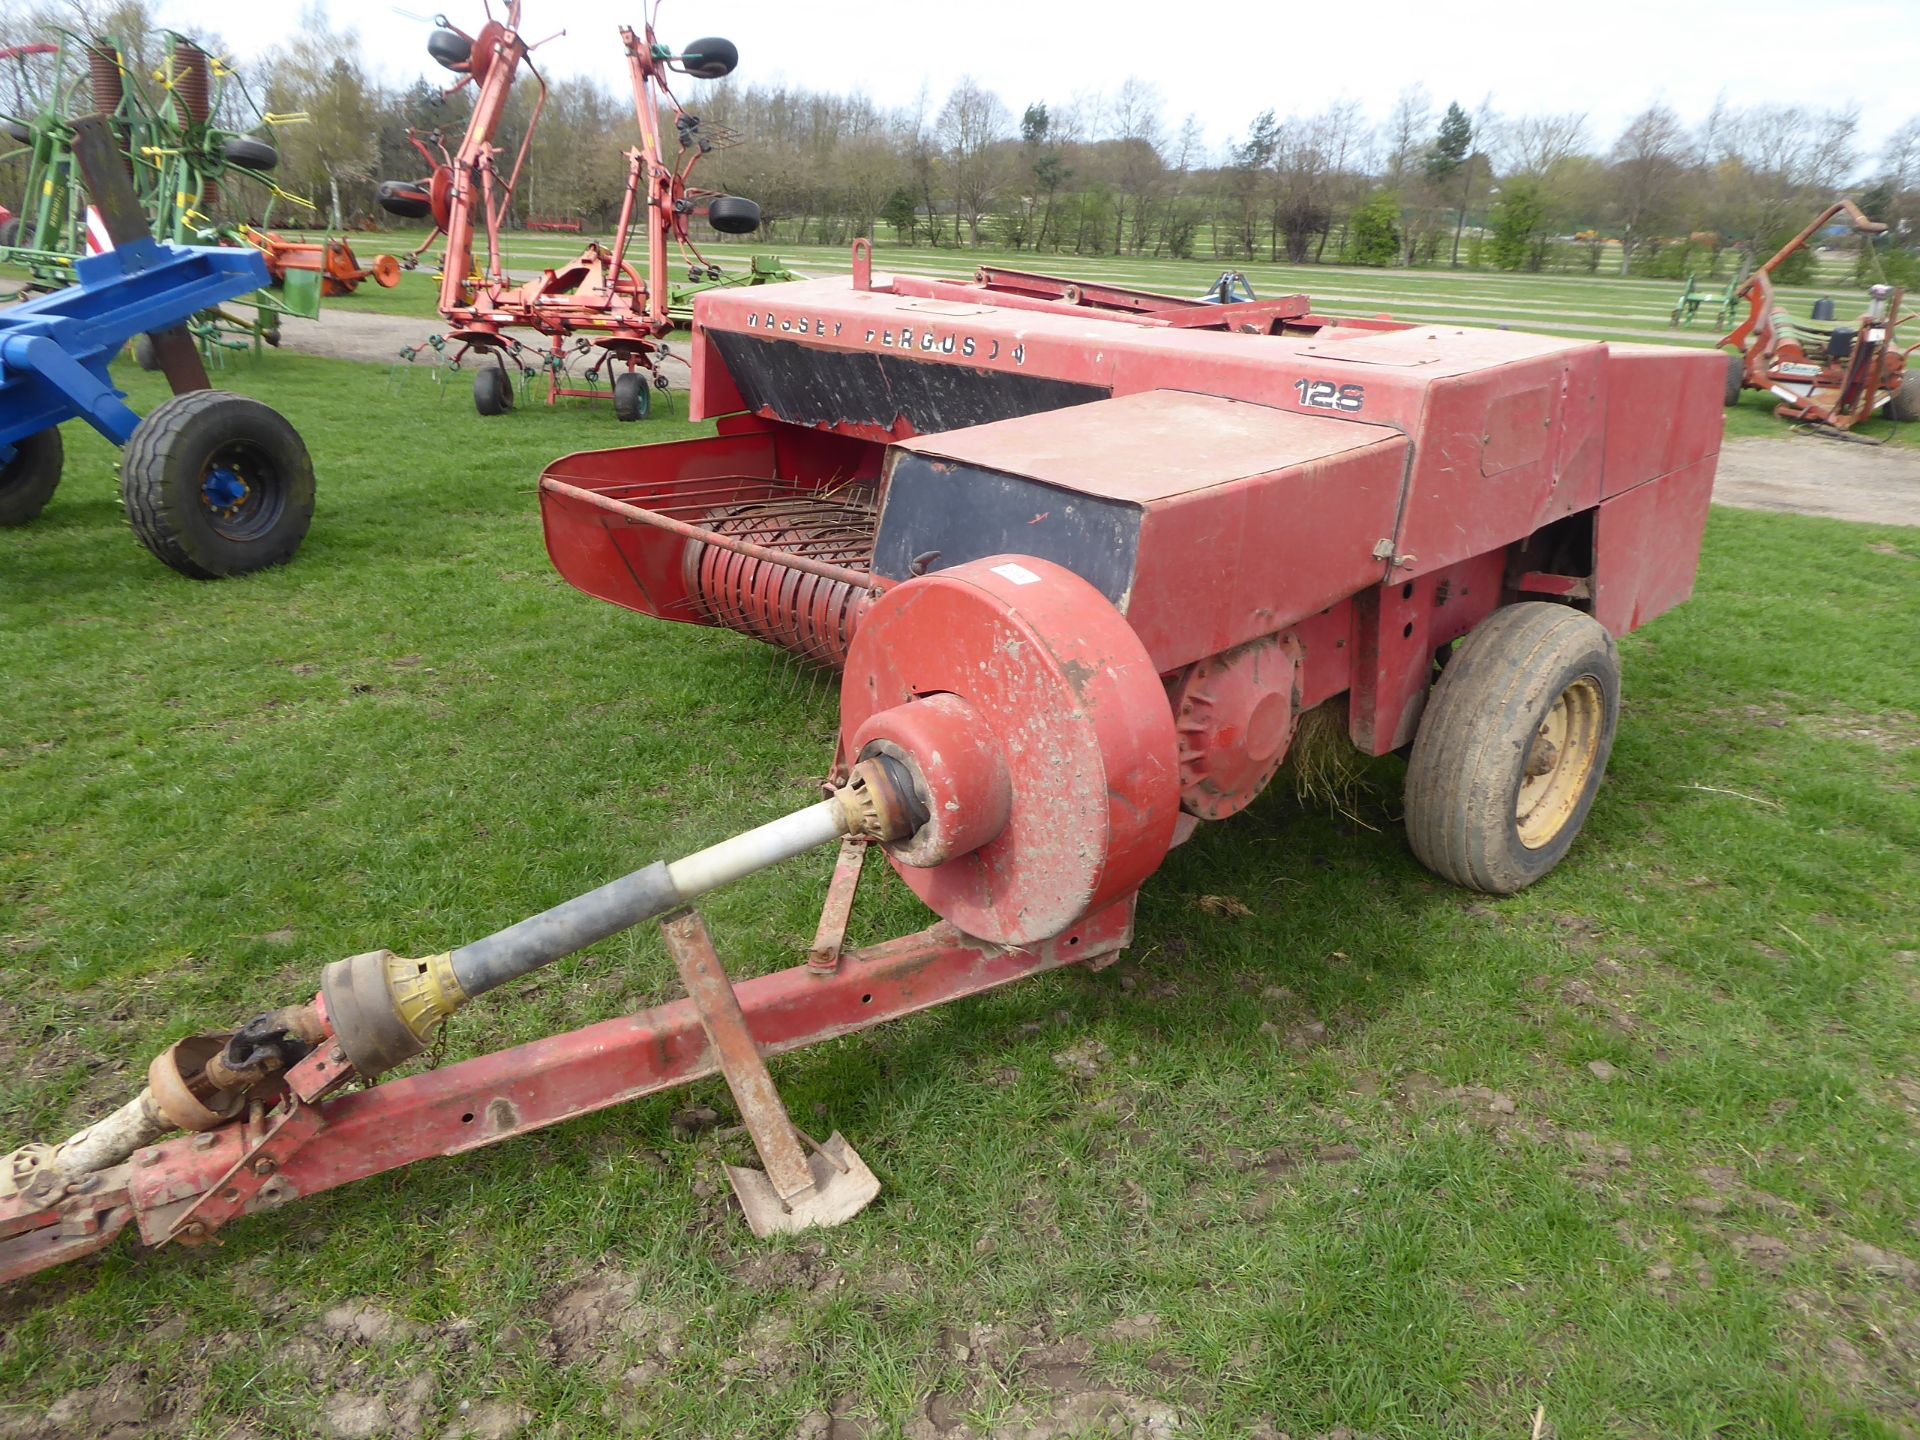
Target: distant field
1585,307
1576,307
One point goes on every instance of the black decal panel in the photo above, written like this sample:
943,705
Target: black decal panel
805,385
941,514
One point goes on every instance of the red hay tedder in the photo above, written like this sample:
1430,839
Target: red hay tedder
1836,376
1085,556
601,293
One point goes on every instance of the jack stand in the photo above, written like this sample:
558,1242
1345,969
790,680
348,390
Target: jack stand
797,1190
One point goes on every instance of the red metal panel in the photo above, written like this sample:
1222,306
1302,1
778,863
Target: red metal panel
612,560
711,391
1237,561
1501,453
1647,546
1158,445
1397,630
1664,412
1256,517
644,568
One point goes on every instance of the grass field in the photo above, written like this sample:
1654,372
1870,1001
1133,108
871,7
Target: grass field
1337,1150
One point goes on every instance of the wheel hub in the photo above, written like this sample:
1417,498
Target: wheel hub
224,490
1562,757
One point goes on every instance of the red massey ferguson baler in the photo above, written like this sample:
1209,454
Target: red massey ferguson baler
1085,556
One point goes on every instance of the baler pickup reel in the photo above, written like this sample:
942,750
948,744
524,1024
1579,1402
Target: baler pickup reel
1024,799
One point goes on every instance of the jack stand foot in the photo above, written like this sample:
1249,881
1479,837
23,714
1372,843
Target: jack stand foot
797,1190
842,1187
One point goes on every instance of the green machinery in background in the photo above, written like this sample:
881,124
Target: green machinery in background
173,124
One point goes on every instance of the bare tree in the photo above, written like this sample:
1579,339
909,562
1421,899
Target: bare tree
318,74
1650,163
972,123
1140,171
1405,134
1532,145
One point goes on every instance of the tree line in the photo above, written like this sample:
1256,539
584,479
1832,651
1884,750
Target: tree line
1431,181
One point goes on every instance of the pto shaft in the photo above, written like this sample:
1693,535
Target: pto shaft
644,895
385,1008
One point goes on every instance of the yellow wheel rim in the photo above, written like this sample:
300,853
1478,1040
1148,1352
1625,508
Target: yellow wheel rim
1560,763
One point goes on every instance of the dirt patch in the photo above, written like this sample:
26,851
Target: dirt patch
356,335
1895,733
1478,1105
800,1268
1768,1254
1062,1394
1809,475
491,1420
602,1320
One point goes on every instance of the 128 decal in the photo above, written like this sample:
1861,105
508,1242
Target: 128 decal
1326,395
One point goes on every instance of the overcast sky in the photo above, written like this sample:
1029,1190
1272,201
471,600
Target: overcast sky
1223,61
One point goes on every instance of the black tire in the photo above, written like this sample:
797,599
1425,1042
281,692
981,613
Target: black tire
20,131
1479,746
247,153
9,230
631,398
1905,405
733,215
449,48
144,355
405,198
492,391
711,58
28,480
1736,378
188,456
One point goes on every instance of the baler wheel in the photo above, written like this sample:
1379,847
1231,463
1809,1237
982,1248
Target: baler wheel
631,398
1736,378
30,476
1905,405
1512,747
492,391
217,485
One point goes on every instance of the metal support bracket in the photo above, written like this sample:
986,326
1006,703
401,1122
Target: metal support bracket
797,1190
830,940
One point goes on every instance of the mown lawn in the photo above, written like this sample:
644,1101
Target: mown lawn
1335,1149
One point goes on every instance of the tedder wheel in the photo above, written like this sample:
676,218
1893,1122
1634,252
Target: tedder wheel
733,215
1512,746
29,476
711,58
217,485
9,230
492,390
1905,405
248,153
144,355
1736,377
631,398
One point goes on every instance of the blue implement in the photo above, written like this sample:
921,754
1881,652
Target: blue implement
55,348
